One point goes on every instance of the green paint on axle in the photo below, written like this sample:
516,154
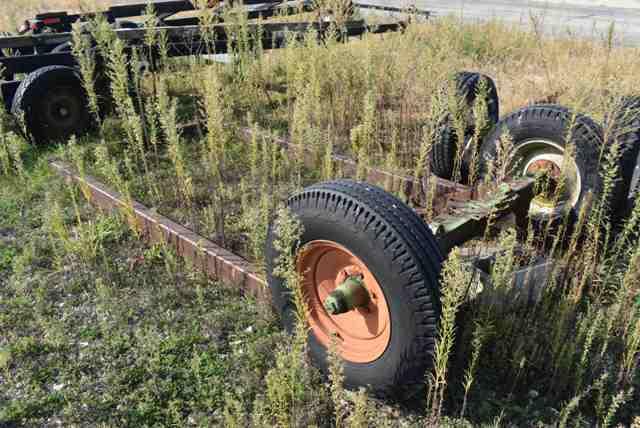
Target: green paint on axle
349,295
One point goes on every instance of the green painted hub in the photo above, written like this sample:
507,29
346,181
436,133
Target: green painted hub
349,295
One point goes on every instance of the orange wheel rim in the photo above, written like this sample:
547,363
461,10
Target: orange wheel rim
362,334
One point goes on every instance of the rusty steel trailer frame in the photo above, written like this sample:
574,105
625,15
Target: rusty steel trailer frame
225,266
217,262
183,41
457,223
29,39
409,187
62,21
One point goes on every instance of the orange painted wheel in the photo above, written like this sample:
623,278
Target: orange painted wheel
362,334
369,269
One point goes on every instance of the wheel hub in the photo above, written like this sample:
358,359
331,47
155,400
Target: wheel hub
544,166
62,109
548,177
349,295
344,300
546,160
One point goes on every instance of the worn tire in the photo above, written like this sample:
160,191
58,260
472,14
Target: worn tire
445,146
62,47
634,188
624,128
402,254
551,124
54,104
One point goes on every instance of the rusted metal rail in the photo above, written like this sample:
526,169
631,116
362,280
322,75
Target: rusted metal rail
223,265
409,187
218,263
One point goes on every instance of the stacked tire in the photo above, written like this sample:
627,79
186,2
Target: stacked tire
624,127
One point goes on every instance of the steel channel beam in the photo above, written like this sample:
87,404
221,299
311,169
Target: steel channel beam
192,33
394,9
217,262
28,63
263,10
166,9
161,8
183,41
404,184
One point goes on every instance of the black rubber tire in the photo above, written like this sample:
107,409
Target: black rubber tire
41,87
62,47
634,188
400,251
552,122
445,147
625,128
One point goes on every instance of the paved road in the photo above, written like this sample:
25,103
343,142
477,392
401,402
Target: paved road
583,17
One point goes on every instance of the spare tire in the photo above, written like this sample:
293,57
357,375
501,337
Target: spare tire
358,230
445,147
538,134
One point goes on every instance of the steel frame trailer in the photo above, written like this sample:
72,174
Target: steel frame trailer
368,265
61,22
50,97
355,292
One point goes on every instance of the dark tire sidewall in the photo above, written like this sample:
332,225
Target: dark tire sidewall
445,149
396,275
34,89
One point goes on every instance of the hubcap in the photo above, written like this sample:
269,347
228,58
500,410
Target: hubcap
62,109
363,330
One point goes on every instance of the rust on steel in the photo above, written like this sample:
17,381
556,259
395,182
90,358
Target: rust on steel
409,186
217,262
413,189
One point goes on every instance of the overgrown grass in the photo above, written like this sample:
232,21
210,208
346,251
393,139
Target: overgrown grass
152,342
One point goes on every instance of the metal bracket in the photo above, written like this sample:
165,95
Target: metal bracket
470,218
